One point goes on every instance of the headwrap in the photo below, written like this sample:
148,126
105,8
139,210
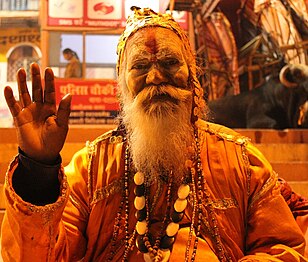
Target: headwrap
145,17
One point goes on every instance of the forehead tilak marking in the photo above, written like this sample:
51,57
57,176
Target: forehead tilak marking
151,42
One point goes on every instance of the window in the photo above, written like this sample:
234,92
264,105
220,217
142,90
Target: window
98,53
21,56
101,49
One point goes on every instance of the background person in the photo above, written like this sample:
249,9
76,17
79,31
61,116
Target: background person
73,68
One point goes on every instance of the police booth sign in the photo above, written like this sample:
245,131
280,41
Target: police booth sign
94,101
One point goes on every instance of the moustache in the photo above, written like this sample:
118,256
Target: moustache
164,93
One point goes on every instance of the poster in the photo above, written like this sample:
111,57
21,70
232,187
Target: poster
94,101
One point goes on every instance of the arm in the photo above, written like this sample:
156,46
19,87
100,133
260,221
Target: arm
30,229
272,232
51,232
27,229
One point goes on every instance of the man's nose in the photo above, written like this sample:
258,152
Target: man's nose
155,76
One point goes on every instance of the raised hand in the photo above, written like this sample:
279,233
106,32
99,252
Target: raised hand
41,128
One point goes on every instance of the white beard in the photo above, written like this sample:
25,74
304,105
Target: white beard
159,131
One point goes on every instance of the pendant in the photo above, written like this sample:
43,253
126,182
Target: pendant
164,256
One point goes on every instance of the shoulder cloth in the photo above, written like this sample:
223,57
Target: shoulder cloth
223,132
112,136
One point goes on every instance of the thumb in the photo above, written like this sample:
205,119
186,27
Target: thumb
64,110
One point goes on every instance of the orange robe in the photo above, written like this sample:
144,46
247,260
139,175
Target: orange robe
254,221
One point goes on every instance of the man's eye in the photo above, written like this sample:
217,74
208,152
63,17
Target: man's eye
139,66
170,62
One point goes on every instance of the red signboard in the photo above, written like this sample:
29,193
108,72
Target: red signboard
94,101
96,13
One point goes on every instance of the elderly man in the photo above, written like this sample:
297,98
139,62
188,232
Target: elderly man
164,186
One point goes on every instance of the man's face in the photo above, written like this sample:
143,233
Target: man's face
155,57
157,100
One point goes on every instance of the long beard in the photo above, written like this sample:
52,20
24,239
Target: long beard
159,130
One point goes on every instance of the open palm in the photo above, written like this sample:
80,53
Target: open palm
41,128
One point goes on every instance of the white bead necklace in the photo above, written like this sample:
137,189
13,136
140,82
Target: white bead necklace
160,249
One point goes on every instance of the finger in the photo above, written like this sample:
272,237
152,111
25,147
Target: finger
24,96
49,93
37,92
11,101
64,110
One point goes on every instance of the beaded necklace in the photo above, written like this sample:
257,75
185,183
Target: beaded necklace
158,250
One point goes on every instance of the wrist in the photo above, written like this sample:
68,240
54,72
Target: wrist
25,159
54,161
